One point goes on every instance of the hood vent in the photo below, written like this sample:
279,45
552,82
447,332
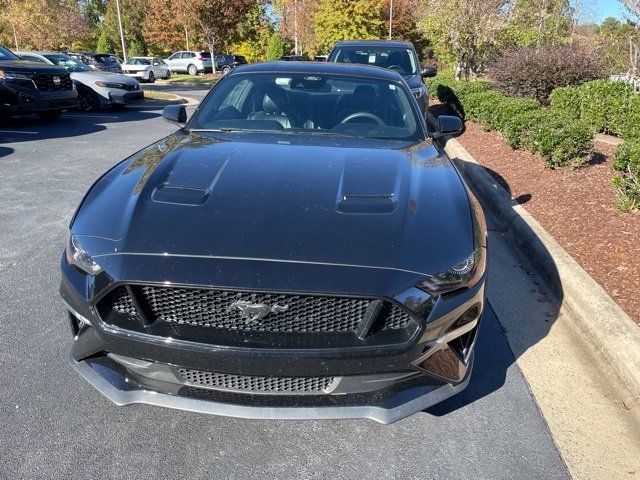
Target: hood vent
367,203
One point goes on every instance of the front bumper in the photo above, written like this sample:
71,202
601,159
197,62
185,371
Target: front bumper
141,75
382,383
121,97
18,99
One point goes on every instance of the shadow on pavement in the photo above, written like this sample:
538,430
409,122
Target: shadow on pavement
70,124
5,151
536,309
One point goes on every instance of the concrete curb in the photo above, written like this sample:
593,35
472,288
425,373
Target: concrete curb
603,321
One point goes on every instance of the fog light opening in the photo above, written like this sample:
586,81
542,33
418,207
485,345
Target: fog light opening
468,316
462,345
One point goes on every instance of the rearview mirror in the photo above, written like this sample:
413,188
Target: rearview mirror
429,71
176,114
448,125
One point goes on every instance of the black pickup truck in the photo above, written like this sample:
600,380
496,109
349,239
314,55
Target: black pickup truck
29,87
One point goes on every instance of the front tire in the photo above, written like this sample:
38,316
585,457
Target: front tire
226,70
168,75
152,78
88,100
192,70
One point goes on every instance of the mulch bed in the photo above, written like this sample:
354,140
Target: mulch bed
576,206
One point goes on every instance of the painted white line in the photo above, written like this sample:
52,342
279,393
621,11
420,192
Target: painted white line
19,132
78,115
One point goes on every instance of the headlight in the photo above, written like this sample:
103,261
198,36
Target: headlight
419,92
9,75
77,257
464,274
109,85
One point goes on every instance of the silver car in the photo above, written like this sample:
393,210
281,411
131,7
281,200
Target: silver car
95,89
190,62
146,68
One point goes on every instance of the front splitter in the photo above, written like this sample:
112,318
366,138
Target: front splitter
137,394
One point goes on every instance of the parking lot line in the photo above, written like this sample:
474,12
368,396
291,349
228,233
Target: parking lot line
88,116
19,131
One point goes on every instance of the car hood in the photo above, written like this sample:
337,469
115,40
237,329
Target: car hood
414,81
32,67
332,202
98,75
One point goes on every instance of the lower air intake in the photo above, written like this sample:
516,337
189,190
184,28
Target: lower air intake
256,384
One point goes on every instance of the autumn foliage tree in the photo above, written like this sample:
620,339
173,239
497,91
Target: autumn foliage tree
218,20
167,27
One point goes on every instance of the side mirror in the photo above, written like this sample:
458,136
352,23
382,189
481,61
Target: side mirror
429,71
176,114
447,125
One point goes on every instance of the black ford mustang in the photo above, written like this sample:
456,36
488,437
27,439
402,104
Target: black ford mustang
299,249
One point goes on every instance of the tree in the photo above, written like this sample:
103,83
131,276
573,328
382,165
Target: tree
405,24
133,14
337,20
43,24
296,22
616,43
252,37
464,32
538,22
167,27
633,7
105,43
218,20
275,49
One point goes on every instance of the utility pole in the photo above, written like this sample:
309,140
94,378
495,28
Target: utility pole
124,48
186,36
15,37
295,25
390,19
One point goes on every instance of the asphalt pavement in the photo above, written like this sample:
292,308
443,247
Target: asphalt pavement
54,425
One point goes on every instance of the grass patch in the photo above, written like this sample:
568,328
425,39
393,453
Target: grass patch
208,79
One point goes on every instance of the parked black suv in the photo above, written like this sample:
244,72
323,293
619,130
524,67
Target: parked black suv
226,63
105,62
30,87
394,55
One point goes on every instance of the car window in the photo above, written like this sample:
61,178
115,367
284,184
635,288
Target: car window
138,61
32,58
399,59
310,103
7,55
70,63
156,61
188,55
107,59
174,56
205,54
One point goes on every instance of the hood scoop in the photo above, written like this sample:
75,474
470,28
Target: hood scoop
365,189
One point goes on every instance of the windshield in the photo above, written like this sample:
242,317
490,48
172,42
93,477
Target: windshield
70,63
105,59
7,55
309,103
138,61
402,60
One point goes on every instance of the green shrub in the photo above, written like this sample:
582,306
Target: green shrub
627,121
517,131
562,141
567,99
478,106
627,162
508,108
603,103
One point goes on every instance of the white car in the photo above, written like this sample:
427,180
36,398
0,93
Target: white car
190,62
146,68
95,88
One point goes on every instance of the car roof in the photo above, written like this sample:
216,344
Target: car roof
353,69
377,43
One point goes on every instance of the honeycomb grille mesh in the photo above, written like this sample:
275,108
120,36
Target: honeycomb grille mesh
236,311
122,302
257,384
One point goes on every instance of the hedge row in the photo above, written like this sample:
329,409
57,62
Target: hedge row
560,138
610,107
562,134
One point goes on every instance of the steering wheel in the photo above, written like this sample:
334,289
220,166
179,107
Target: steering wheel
367,115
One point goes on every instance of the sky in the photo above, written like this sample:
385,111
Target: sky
607,8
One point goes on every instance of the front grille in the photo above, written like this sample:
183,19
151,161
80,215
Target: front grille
225,309
256,384
45,82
